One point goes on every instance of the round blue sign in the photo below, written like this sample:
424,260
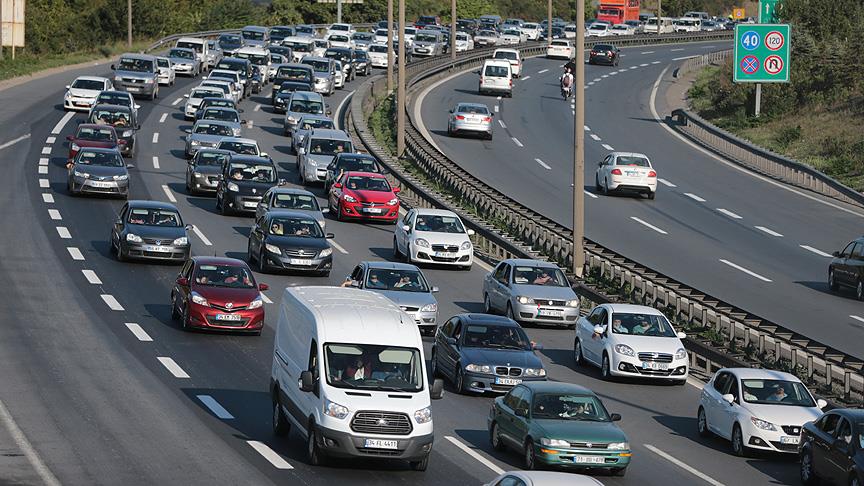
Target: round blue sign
750,40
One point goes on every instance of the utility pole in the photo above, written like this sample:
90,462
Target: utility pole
400,90
390,46
579,145
129,22
659,14
453,29
338,11
549,23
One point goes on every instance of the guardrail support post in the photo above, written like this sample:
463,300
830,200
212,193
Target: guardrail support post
390,46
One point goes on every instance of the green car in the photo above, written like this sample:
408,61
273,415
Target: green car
559,424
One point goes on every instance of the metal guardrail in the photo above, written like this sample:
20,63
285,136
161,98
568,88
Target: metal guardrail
519,231
699,62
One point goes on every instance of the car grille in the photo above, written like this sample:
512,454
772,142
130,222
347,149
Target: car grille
656,357
370,422
301,252
507,371
133,80
791,429
409,309
553,303
233,308
159,242
588,445
452,248
379,452
654,372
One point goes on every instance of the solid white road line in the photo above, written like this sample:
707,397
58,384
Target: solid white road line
214,406
176,102
201,235
647,52
339,247
336,116
163,117
265,298
816,251
683,57
501,122
43,161
14,141
682,465
476,455
155,162
694,197
138,331
111,302
728,213
50,140
483,265
43,183
857,318
589,194
542,71
526,78
517,142
607,146
269,454
748,272
258,107
75,253
46,150
62,123
54,214
168,193
47,198
173,367
769,231
648,225
63,232
595,137
543,164
665,182
26,448
155,137
91,277
43,169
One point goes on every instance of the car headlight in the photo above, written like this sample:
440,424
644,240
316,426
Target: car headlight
681,353
762,424
118,78
423,415
573,303
524,300
624,349
335,410
127,133
133,238
181,241
233,187
291,120
349,198
534,372
68,94
465,245
121,177
619,446
81,174
149,80
236,131
429,308
256,303
194,143
273,249
486,369
76,147
421,242
393,202
325,252
199,299
554,442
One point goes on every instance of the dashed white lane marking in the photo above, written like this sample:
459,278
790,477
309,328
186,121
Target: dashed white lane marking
613,73
47,198
683,58
50,140
748,272
605,76
26,447
643,64
647,52
214,406
665,182
13,142
857,318
728,213
91,277
648,225
476,455
769,231
591,83
46,150
597,80
201,235
501,122
163,117
543,164
63,232
43,161
155,162
155,137
655,62
587,129
54,214
498,98
634,67
275,459
595,137
138,331
75,253
338,247
589,194
111,302
257,107
816,251
496,108
517,142
62,123
684,466
676,50
168,193
542,71
694,197
265,298
43,169
526,78
43,183
172,367
607,146
622,70
176,102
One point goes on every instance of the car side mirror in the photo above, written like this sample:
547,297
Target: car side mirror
681,335
137,106
435,290
599,329
67,86
183,281
451,111
188,227
306,382
302,151
729,398
263,286
113,68
471,232
821,403
244,122
70,138
397,190
337,185
537,346
615,417
186,95
130,166
329,236
521,412
436,391
406,228
265,154
835,254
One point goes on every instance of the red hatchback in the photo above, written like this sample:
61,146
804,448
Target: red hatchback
92,135
364,195
218,293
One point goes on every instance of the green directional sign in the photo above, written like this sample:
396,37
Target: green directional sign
762,53
768,11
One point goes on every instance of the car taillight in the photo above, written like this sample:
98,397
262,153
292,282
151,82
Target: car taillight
652,174
616,171
511,82
487,119
481,80
460,117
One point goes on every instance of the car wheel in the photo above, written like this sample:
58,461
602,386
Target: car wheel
262,265
120,256
605,371
577,353
530,458
249,258
651,195
223,208
460,381
281,425
420,465
495,438
339,212
184,318
859,290
174,314
487,304
738,447
832,284
702,423
433,363
510,312
313,454
808,474
854,481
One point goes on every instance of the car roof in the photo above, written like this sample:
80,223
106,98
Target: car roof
91,78
104,150
505,50
390,265
191,39
496,62
222,108
94,125
856,414
628,154
557,386
355,155
435,212
223,70
530,262
761,374
146,203
116,92
330,133
214,150
634,309
239,140
360,173
256,28
214,260
476,318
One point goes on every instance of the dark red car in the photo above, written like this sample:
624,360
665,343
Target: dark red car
364,195
219,294
95,136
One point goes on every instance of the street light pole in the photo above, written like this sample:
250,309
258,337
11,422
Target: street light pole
129,22
389,46
453,29
659,14
400,90
579,144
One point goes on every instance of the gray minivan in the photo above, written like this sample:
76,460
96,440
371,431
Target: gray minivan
138,74
256,36
299,104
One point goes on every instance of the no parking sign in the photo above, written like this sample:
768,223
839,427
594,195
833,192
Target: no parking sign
762,53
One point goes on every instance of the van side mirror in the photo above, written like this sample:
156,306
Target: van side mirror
306,382
436,391
615,417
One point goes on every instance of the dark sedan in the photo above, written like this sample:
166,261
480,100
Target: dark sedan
483,353
202,172
123,119
832,448
847,268
604,54
243,182
290,240
150,230
98,171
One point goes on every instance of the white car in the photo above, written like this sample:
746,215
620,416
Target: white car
344,29
433,236
81,94
339,76
513,56
543,478
464,42
378,55
562,49
634,341
410,33
340,40
756,409
532,31
230,76
167,74
194,97
597,29
381,36
570,31
622,29
626,171
510,37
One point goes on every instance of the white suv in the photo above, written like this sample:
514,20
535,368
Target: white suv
433,236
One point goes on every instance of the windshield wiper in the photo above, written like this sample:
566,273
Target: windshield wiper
505,346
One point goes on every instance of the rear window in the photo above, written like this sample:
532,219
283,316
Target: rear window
497,71
510,56
294,74
637,161
307,106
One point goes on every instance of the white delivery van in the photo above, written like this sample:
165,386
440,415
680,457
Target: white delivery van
496,76
349,373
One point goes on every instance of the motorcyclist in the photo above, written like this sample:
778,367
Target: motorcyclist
566,83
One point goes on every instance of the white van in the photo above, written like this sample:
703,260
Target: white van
688,24
349,373
300,46
664,25
202,51
496,76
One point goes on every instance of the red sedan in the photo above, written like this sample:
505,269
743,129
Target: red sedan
92,135
219,294
364,195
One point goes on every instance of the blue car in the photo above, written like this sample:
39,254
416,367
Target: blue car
485,353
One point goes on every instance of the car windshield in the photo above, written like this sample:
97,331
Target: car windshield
251,172
602,47
318,66
631,160
253,35
297,227
137,65
309,124
221,114
363,183
568,406
203,93
88,84
230,40
232,276
410,31
337,54
230,76
243,148
210,159
497,71
105,116
298,46
307,106
545,276
305,29
195,46
154,217
213,129
357,164
426,38
642,324
217,102
324,146
256,59
510,56
560,43
439,224
277,58
95,134
494,336
486,33
776,392
293,74
620,27
462,37
100,159
339,38
163,62
530,26
513,32
398,280
181,53
281,32
599,27
373,367
295,201
366,36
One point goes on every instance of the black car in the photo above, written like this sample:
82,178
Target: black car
847,268
604,54
202,171
277,33
345,162
361,60
243,181
557,33
485,353
832,448
290,240
216,103
230,43
150,230
349,66
124,119
247,73
301,77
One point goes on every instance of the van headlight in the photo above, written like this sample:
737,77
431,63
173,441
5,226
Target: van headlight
233,187
182,241
618,446
524,300
535,372
485,369
423,415
133,238
256,303
465,245
429,308
573,303
545,441
681,353
335,410
624,349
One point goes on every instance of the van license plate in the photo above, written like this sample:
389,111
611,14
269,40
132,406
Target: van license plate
381,444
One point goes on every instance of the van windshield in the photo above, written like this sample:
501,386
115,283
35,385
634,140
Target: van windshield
373,367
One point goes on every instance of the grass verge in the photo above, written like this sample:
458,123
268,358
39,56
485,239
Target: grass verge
26,63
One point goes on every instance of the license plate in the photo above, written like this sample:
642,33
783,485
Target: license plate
229,317
159,249
550,313
507,381
133,88
790,440
300,261
250,204
589,459
650,365
372,210
632,173
101,184
444,254
381,444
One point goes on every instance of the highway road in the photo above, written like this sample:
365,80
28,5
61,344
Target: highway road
752,242
103,388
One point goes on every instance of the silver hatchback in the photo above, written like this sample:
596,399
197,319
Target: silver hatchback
472,118
531,291
402,283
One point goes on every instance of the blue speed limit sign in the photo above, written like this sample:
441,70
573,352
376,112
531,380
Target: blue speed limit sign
750,40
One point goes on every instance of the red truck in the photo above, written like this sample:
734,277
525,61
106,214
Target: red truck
618,11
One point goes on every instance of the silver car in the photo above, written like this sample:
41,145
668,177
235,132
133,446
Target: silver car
470,118
405,285
98,171
325,73
293,199
206,134
185,61
305,125
166,71
214,53
428,43
300,104
226,115
319,149
486,38
531,291
137,74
